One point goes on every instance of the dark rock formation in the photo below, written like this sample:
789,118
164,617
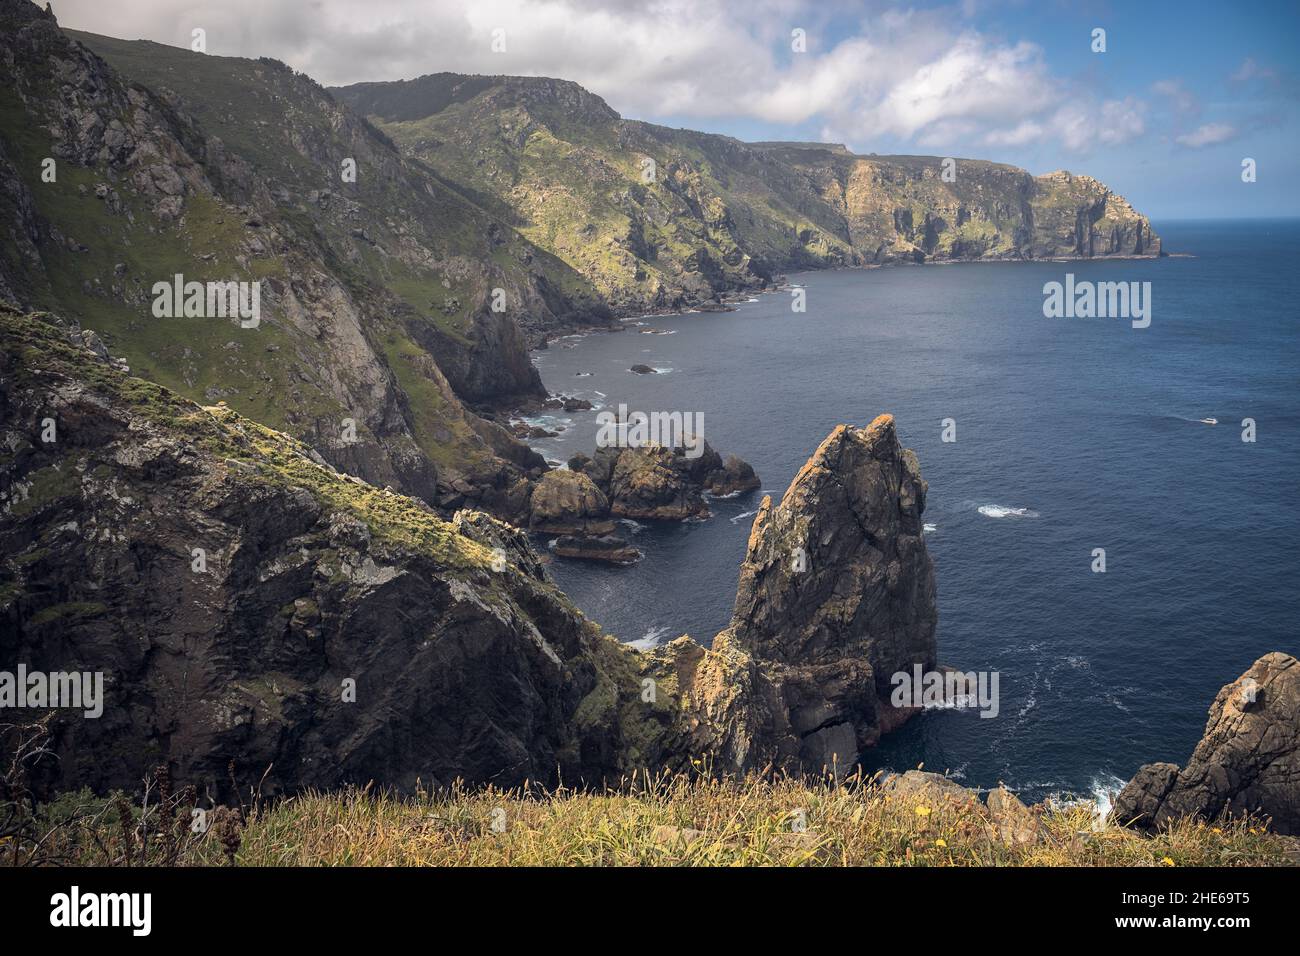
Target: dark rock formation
568,502
836,594
246,602
1248,761
609,549
839,570
660,483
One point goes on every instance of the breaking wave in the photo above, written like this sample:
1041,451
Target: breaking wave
651,639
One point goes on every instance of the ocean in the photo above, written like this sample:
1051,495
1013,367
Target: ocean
1072,434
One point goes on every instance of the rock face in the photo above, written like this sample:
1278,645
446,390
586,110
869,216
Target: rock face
248,603
608,548
1248,761
839,570
377,324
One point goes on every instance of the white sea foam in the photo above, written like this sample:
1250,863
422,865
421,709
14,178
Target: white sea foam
928,528
1105,788
748,514
651,639
1003,511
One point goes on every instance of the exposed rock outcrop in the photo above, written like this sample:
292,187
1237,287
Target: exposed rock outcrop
608,548
568,502
247,603
660,483
1248,760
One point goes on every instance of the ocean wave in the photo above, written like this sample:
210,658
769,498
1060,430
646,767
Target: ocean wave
1105,788
651,639
748,514
1004,511
662,371
928,528
635,527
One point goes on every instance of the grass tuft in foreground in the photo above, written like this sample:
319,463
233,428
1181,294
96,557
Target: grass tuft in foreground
678,820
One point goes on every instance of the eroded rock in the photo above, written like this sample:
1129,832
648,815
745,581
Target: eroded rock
1248,760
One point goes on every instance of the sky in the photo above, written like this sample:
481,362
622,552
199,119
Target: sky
1182,94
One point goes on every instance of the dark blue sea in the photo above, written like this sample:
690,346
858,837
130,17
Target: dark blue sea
1072,434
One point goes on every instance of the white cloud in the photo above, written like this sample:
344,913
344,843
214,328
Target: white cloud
1207,135
917,76
1251,70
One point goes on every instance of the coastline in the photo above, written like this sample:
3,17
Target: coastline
726,300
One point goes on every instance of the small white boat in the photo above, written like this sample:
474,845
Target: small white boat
1209,421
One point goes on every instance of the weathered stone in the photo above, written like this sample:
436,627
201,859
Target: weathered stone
609,549
935,787
1010,820
569,503
1248,760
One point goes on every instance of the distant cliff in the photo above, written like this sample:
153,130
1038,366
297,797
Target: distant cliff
661,218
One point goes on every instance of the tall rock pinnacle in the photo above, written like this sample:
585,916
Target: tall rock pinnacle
836,594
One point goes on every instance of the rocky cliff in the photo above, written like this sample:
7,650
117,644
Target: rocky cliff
246,602
658,218
123,164
1248,760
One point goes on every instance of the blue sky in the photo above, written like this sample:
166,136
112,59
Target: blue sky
1165,116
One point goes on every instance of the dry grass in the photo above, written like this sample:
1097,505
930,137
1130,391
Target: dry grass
676,821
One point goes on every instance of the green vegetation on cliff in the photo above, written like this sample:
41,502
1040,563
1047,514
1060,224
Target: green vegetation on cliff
662,218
